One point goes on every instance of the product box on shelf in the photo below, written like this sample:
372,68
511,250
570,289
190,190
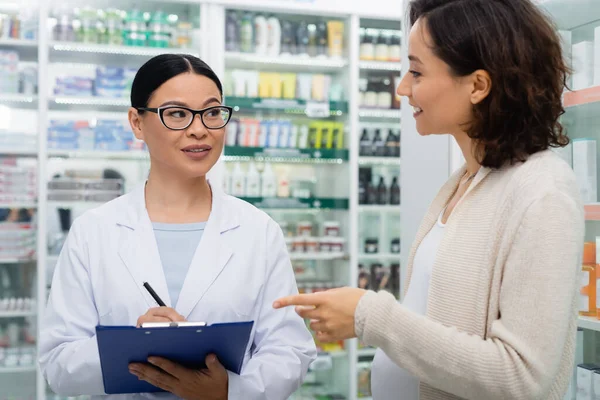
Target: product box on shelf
584,166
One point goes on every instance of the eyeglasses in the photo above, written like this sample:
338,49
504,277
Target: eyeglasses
178,118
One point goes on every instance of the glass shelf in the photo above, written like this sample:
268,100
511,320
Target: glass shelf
379,161
379,208
74,47
291,106
284,63
286,155
100,155
380,66
103,103
294,204
379,113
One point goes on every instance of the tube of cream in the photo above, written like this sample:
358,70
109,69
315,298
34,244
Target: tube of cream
336,38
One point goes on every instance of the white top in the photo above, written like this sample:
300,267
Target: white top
387,378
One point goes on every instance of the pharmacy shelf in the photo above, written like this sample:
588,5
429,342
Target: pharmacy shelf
16,261
379,113
284,63
18,153
19,100
27,49
582,104
103,155
384,208
16,314
75,204
589,323
380,256
282,203
92,102
317,256
374,161
18,43
286,155
288,106
380,66
367,352
71,47
18,205
18,370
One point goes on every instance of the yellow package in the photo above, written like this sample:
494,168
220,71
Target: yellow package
275,84
318,87
264,85
327,135
314,135
289,86
338,135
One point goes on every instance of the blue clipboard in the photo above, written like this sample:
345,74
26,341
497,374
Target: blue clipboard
121,345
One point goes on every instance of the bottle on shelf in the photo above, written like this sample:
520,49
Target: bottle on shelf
269,182
395,192
372,193
382,47
274,36
247,33
238,181
366,144
253,187
312,40
283,185
378,144
302,39
382,192
232,32
322,39
288,40
261,35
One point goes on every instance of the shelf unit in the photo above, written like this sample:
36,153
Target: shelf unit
47,106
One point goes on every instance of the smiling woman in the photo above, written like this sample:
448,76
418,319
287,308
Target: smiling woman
208,256
503,235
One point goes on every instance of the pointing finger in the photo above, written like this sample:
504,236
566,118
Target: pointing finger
313,299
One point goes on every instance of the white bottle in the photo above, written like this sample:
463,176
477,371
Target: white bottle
226,180
283,186
269,182
303,137
293,140
274,37
238,181
261,35
253,187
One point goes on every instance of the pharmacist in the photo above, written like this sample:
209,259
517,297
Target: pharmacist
208,256
490,307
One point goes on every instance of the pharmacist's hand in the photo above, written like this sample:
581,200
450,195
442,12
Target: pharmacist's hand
160,314
189,384
331,312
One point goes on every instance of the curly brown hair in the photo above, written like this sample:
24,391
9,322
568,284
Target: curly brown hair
521,50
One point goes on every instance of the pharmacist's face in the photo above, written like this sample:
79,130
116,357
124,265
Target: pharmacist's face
192,152
440,102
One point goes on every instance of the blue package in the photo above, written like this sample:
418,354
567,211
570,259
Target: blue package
110,72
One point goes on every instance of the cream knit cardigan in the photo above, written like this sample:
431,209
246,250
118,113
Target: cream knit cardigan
501,313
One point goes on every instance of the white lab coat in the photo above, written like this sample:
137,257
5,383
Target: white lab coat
240,267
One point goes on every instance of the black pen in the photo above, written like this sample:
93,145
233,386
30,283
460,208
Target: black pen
154,295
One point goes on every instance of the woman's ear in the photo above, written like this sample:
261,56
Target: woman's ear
482,86
136,123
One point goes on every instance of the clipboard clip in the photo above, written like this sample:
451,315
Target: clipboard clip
172,324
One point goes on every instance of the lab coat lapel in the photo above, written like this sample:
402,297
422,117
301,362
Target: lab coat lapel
138,249
211,256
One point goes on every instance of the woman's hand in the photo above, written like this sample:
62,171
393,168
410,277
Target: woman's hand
331,312
207,384
160,314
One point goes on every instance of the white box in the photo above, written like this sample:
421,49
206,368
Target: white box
583,65
596,385
566,153
597,56
585,375
584,166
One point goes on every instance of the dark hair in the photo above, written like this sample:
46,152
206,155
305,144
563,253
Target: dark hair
519,47
160,69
